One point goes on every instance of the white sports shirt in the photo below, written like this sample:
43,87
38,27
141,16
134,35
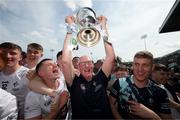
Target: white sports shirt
38,104
16,84
8,106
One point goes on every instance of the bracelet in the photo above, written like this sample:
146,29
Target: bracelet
105,38
71,28
68,33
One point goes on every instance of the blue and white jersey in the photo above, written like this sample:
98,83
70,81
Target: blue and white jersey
152,96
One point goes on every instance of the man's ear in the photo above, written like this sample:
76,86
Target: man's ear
2,64
20,58
40,73
153,67
42,54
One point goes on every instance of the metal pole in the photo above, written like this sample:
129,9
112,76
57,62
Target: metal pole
145,43
143,37
52,50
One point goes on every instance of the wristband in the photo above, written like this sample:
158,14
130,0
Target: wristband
71,28
105,38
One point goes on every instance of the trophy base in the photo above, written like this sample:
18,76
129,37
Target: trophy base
88,37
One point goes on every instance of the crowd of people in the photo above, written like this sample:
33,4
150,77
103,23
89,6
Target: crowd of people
76,87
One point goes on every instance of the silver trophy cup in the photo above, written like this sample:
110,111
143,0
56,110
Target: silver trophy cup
86,21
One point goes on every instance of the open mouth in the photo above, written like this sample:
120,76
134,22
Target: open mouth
32,58
88,70
55,71
9,60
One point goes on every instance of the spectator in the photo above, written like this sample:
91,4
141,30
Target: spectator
176,81
8,106
2,58
36,83
75,61
88,91
160,76
13,76
23,60
38,86
121,71
8,103
34,54
135,97
59,59
97,65
39,106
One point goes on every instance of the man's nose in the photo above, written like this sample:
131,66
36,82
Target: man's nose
8,54
55,64
140,68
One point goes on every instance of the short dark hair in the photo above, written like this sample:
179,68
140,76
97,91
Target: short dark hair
76,57
144,54
40,64
121,68
9,45
160,67
23,54
35,46
59,53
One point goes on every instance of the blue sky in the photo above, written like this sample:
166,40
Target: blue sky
42,21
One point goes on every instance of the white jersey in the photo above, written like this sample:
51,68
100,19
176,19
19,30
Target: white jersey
175,113
38,104
8,106
30,68
16,84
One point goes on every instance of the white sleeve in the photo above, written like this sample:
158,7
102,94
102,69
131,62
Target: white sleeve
32,106
8,106
62,86
26,81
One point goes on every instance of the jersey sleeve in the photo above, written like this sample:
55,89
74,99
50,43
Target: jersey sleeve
115,89
101,75
8,106
32,106
164,103
63,86
22,72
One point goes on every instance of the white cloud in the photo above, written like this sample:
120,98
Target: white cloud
47,30
43,22
134,20
36,34
75,4
3,3
52,41
71,4
43,13
85,3
61,29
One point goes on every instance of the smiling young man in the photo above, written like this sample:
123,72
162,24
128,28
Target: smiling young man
136,96
13,76
34,54
8,101
88,91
